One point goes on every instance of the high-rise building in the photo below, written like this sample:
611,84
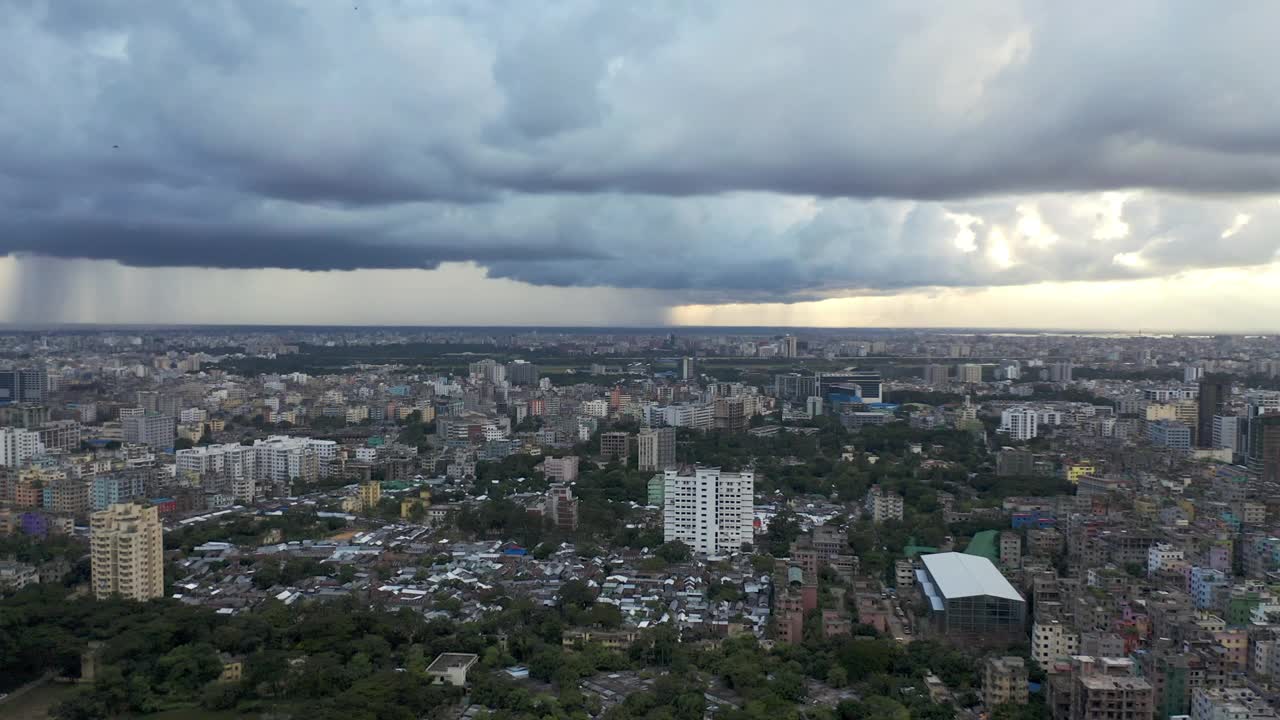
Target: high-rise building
127,552
969,373
1060,372
520,372
231,465
615,445
19,446
370,494
790,347
1169,434
23,386
688,368
1213,396
710,511
1225,433
149,428
731,414
488,370
937,374
1019,423
1264,447
794,386
657,448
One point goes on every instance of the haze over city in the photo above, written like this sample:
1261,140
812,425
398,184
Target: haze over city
844,164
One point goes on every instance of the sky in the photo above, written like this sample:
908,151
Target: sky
1078,165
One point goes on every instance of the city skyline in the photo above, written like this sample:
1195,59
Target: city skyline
606,164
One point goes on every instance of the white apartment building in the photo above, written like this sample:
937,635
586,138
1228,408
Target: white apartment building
1162,556
1052,639
710,511
595,408
234,462
190,416
690,415
18,446
1019,423
281,459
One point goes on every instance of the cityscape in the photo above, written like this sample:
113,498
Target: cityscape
606,360
481,522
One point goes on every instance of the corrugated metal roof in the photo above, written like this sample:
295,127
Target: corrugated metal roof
958,575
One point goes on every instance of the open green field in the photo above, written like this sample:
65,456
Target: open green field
35,705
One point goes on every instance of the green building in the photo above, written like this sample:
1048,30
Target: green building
657,490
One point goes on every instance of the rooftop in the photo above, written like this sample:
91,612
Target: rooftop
451,661
958,575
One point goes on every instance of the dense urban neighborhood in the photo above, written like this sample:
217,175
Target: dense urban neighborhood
547,523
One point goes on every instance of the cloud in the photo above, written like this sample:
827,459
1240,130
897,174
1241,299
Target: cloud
717,152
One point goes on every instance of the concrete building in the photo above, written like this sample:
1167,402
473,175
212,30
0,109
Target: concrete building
451,668
370,494
232,464
561,507
969,600
1169,434
1052,639
1214,392
709,510
561,469
1226,432
969,373
19,446
1019,423
1060,372
880,505
1234,703
615,445
1004,681
938,375
127,551
149,428
1100,689
1010,549
657,448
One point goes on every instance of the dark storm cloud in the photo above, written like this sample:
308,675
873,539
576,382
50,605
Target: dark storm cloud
739,150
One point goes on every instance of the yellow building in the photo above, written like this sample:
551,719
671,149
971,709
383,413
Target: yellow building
370,494
127,552
1079,470
423,501
232,670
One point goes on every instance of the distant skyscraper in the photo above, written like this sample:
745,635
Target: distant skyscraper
1213,394
969,373
522,373
127,552
149,428
1060,372
26,386
790,348
687,368
937,374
